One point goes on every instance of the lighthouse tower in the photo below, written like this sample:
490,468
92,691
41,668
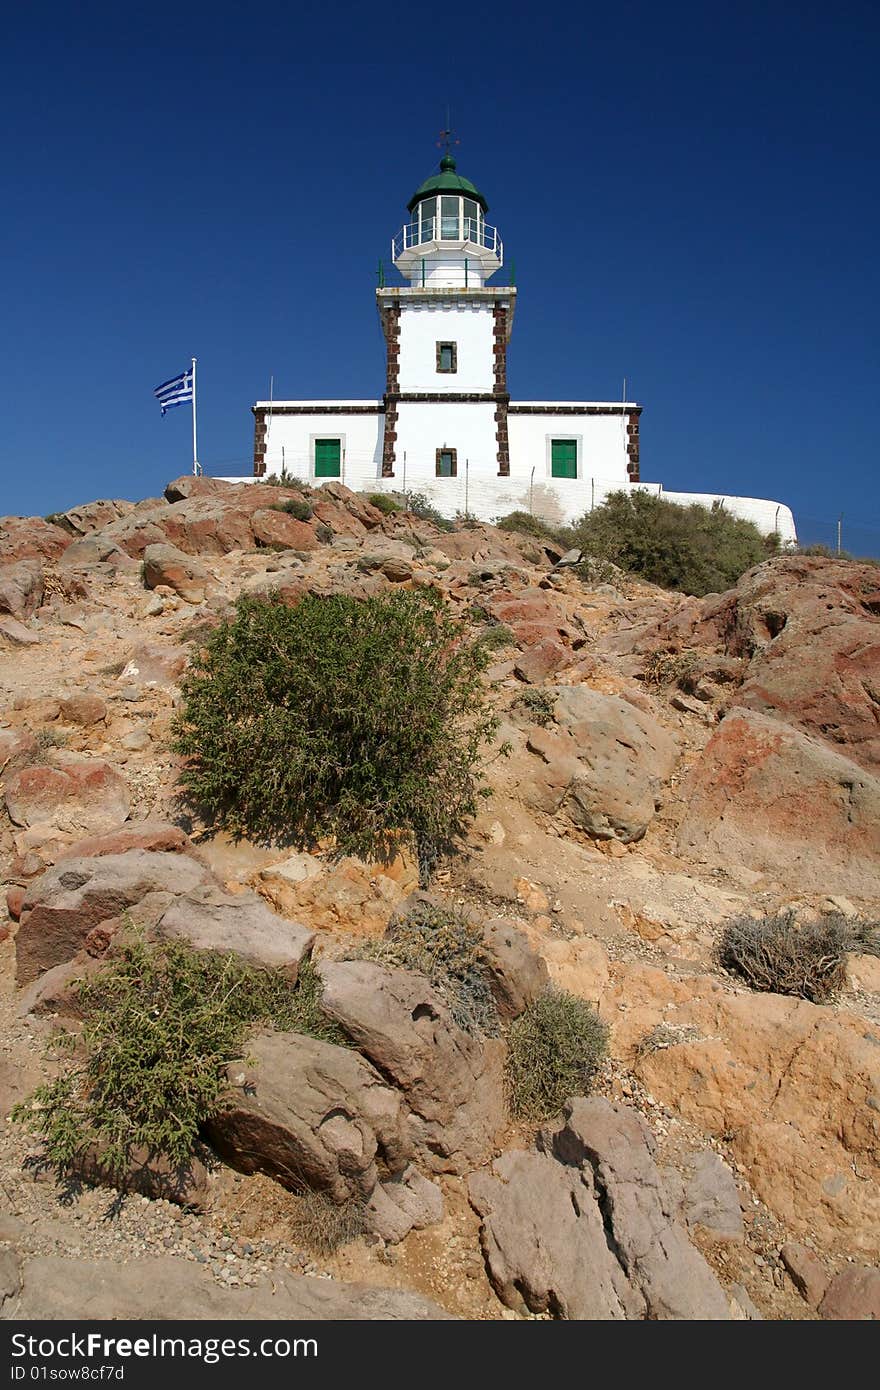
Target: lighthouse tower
446,335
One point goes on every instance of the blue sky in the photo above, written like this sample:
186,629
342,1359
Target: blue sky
689,194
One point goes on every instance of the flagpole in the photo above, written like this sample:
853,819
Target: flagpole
196,466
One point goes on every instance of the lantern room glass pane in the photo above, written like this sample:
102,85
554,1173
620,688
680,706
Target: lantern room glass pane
428,211
471,220
449,219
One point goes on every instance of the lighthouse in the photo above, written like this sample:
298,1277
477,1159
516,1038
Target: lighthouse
445,426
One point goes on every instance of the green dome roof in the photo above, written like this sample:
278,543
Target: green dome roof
447,181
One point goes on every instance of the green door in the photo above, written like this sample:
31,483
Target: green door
327,458
564,458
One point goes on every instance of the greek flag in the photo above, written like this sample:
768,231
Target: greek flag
175,391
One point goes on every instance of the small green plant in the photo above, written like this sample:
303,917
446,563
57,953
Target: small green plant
296,507
537,705
419,506
780,955
45,740
384,503
524,524
447,946
284,479
161,1023
496,636
554,1050
323,533
322,1225
360,720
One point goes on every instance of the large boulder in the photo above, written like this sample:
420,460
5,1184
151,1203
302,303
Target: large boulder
544,1240
21,588
77,896
83,794
773,800
792,1087
311,1115
652,1246
165,564
30,537
210,919
277,530
517,974
853,1296
604,765
453,1082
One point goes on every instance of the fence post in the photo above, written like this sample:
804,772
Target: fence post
467,476
840,533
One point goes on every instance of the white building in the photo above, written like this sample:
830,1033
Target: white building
446,426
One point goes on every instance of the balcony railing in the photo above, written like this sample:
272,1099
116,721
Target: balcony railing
413,234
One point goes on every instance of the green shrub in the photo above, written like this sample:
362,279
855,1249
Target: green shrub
523,523
495,636
447,946
783,956
554,1049
688,548
357,719
161,1023
672,668
323,533
294,506
419,506
537,705
384,503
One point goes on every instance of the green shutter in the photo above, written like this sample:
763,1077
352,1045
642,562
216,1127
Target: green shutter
564,458
327,458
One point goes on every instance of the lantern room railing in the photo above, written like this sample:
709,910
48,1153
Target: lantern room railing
476,234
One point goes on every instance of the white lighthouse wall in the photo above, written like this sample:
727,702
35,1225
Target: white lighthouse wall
469,326
290,444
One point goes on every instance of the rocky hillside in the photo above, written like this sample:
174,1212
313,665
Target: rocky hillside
674,763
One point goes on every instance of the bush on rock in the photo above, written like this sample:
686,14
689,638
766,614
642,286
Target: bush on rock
780,955
554,1050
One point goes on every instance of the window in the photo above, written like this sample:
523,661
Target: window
328,455
449,229
447,463
563,458
471,220
447,357
428,211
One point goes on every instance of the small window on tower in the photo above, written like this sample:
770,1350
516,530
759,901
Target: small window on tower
447,357
447,463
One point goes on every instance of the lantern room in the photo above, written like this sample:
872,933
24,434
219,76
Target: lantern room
447,242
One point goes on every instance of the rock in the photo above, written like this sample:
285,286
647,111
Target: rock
863,973
92,516
155,665
652,1247
711,1199
31,538
793,1086
10,1276
517,974
396,570
579,966
808,1274
539,662
209,919
407,1203
144,834
84,708
453,1083
853,1295
136,741
772,800
85,794
544,1240
16,747
605,767
21,589
14,901
165,564
90,551
281,531
16,634
347,894
742,1309
77,896
165,1289
311,1114
149,1174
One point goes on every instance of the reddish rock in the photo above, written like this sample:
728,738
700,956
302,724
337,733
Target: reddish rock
85,709
148,835
92,516
807,1272
191,486
772,800
541,661
165,564
14,900
16,634
155,664
84,794
30,537
281,531
854,1296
